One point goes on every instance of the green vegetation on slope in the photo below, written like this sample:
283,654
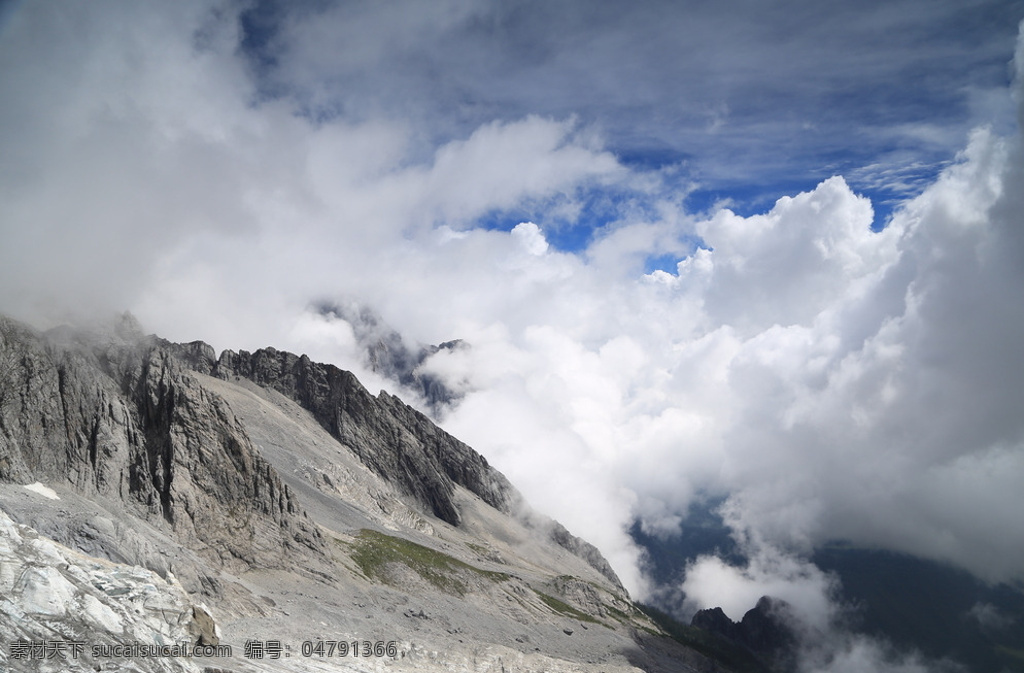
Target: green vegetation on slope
731,655
374,551
564,608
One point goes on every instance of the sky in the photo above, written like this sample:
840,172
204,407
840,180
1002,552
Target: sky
764,253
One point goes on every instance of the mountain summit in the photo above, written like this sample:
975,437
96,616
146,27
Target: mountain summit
271,511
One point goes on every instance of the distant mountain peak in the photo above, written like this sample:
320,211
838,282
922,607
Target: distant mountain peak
389,354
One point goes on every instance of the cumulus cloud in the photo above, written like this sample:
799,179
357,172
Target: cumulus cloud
808,590
825,379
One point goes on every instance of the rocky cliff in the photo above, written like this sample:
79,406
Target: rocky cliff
397,442
119,416
393,439
299,507
766,630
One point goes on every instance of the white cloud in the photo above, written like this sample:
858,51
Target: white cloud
859,654
787,266
710,583
530,237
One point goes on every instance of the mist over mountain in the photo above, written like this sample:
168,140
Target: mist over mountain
387,354
156,496
949,617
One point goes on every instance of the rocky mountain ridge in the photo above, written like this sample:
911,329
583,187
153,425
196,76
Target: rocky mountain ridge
388,354
393,439
125,420
296,505
765,630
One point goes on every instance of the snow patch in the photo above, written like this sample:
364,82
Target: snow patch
42,490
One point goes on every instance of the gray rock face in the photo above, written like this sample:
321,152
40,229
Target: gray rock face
766,630
397,442
119,416
393,439
49,593
586,551
389,355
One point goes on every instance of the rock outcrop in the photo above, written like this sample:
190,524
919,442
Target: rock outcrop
85,607
563,538
766,630
119,415
393,439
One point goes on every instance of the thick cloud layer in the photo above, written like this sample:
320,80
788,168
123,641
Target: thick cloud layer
828,380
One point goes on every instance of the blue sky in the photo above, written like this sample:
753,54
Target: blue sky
747,101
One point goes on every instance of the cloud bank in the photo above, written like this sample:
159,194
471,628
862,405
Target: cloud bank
827,379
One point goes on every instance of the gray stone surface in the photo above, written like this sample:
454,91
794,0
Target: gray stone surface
280,499
51,594
119,416
394,440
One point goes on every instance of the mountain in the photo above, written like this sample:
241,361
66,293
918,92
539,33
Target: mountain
388,354
765,631
913,604
157,496
934,608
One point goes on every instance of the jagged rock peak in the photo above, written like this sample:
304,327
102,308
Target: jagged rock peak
127,421
388,354
198,355
397,442
767,630
128,327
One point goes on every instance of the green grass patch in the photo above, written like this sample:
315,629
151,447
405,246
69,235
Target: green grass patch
479,548
374,551
564,608
619,615
488,553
